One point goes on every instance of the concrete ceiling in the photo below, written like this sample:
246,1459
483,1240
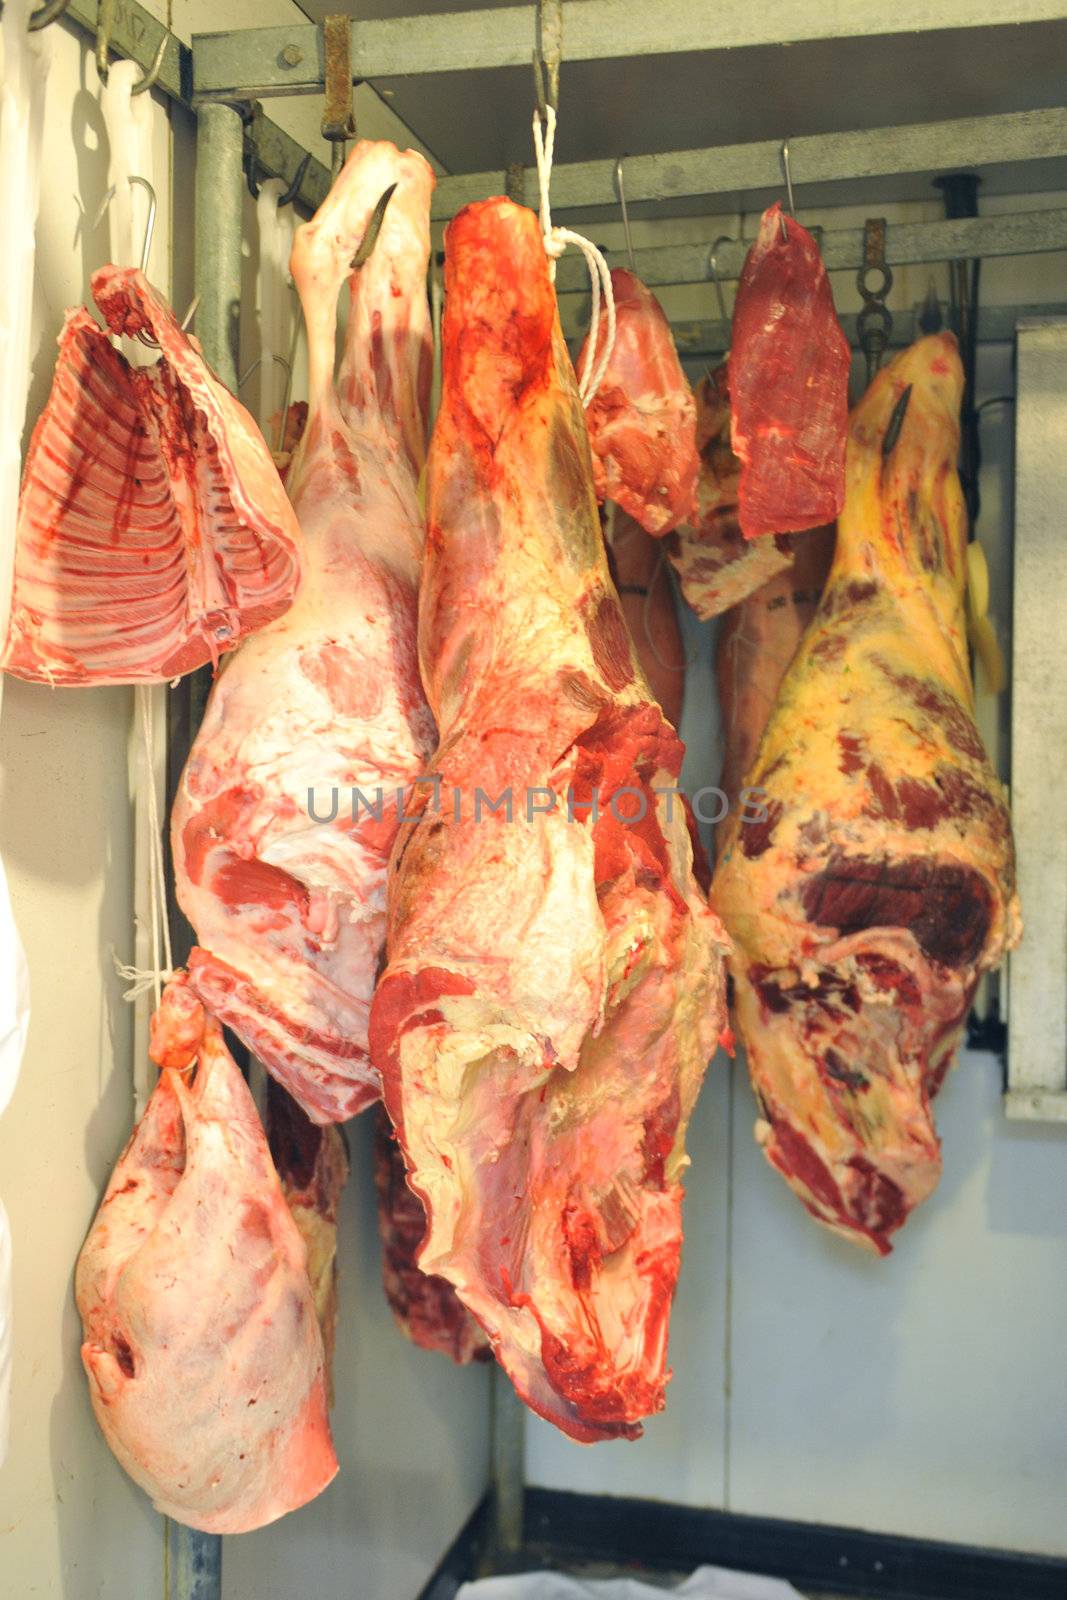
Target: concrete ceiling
477,121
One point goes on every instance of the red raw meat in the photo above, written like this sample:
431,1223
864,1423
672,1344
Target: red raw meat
878,884
554,985
202,1349
289,911
716,565
646,594
312,1166
642,417
153,530
426,1309
789,367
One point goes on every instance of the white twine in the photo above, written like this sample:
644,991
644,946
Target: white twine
142,980
556,241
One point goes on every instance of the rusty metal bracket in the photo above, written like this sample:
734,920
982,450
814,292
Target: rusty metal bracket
338,117
548,55
874,325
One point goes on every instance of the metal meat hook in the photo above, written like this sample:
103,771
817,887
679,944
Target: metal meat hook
783,158
257,363
896,422
105,23
713,268
548,55
150,225
374,228
621,193
45,14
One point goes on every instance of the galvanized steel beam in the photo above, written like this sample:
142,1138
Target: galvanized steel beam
1019,233
819,158
271,61
996,325
219,195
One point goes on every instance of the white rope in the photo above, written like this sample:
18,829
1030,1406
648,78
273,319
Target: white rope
142,981
556,241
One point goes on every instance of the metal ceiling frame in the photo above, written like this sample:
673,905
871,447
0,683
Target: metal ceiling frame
289,60
1016,233
965,142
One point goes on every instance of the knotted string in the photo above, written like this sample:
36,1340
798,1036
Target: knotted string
556,241
141,981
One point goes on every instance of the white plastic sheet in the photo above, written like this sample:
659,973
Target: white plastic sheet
707,1583
24,61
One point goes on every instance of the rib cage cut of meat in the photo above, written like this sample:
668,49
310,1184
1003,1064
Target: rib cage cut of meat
642,417
153,530
880,884
202,1349
789,370
289,911
554,986
716,565
425,1308
312,1167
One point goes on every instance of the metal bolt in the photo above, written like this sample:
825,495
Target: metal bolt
292,55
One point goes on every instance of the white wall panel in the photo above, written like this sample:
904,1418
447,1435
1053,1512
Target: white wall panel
921,1394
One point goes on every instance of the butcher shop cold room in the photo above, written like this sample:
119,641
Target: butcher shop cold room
533,838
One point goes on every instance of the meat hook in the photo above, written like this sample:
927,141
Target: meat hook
47,13
713,268
931,319
151,77
105,22
620,190
150,225
374,228
288,195
783,158
257,363
548,55
896,422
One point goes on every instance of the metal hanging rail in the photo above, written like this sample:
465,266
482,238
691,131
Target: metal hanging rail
136,34
822,158
1018,233
278,61
996,325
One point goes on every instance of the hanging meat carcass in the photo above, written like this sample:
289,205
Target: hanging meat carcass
716,565
789,367
641,419
425,1308
153,529
646,594
321,715
554,984
877,884
757,641
202,1348
312,1167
